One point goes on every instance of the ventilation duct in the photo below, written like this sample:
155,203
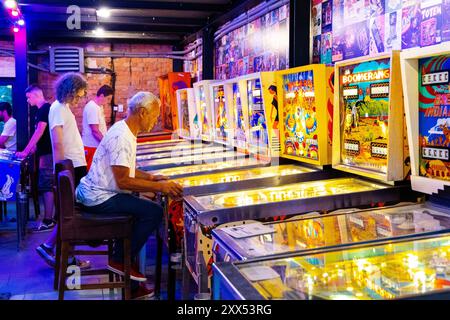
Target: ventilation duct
66,59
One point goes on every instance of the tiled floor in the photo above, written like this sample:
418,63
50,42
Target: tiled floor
24,275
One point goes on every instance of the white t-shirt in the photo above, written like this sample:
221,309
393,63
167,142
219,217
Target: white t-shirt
92,114
9,130
117,148
61,115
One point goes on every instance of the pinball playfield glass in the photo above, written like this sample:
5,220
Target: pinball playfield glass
349,226
241,175
177,172
289,192
391,270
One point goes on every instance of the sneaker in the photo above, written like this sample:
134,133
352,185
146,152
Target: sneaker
142,293
46,254
45,226
82,264
118,268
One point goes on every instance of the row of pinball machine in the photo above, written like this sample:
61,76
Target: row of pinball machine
314,182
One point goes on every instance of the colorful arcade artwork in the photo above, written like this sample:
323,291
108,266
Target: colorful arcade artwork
364,88
184,108
204,120
220,114
299,116
434,117
240,132
258,139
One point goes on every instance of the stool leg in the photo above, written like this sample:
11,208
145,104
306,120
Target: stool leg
63,269
158,267
110,274
57,260
127,268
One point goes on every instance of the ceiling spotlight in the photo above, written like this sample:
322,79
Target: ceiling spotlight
16,29
15,13
103,13
21,22
10,4
99,32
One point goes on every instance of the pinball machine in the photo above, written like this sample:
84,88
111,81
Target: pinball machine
410,261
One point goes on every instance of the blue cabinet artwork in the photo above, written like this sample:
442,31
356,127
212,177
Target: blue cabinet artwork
10,168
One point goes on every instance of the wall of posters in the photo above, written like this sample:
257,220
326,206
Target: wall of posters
260,45
346,29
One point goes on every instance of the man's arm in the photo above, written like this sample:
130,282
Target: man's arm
125,182
37,135
57,143
96,132
148,176
3,140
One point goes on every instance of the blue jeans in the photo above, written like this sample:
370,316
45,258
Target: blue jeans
147,216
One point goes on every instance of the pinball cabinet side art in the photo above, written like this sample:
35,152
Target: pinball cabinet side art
427,100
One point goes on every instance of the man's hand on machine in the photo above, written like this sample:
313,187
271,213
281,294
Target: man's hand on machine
159,177
172,189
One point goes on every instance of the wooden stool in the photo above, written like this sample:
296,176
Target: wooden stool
76,227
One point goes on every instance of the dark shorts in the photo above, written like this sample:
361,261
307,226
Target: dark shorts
45,182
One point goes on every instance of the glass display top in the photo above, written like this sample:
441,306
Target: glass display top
243,174
351,227
205,167
193,158
288,192
387,271
179,153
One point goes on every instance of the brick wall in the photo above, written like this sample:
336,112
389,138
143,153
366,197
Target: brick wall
132,74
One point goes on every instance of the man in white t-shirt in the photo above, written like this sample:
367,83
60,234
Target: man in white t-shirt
108,186
66,145
8,138
94,124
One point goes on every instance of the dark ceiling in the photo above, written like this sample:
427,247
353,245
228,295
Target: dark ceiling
168,21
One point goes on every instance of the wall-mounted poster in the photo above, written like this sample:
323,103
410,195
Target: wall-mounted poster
317,49
357,40
317,19
376,8
355,10
411,18
376,35
446,20
338,14
430,27
434,117
326,48
393,30
327,16
339,45
393,5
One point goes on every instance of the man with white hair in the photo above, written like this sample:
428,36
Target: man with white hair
113,176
